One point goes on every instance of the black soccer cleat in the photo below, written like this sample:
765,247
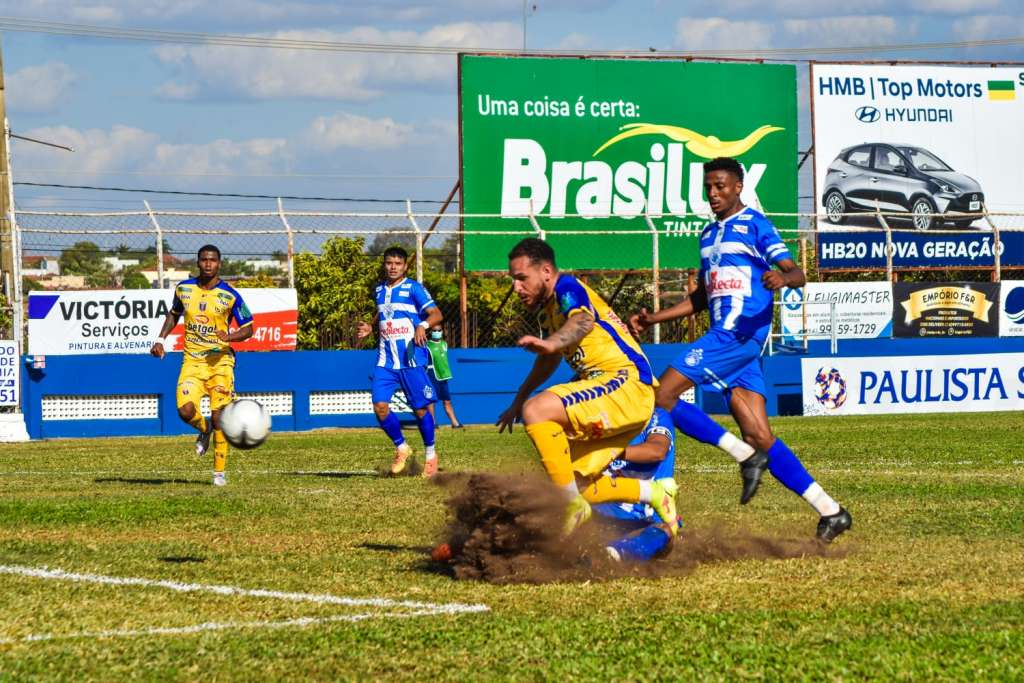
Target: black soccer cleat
831,526
751,470
203,440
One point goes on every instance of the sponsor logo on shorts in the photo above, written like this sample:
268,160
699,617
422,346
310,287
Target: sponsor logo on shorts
428,393
694,357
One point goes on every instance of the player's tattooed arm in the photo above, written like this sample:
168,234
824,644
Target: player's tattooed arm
568,336
789,274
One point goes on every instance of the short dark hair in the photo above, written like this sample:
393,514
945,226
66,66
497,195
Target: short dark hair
396,251
537,250
208,247
727,164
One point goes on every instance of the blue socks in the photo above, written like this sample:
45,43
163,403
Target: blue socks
787,468
640,548
426,425
696,424
393,428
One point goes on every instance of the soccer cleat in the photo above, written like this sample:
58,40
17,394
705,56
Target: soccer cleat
219,480
577,512
831,526
402,454
751,470
203,440
429,468
663,500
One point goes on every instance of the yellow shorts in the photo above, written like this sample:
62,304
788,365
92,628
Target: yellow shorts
212,375
605,413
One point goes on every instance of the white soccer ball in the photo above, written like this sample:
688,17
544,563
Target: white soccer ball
245,423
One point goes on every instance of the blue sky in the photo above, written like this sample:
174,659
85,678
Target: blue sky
265,121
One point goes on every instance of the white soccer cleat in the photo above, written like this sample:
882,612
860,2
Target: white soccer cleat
219,479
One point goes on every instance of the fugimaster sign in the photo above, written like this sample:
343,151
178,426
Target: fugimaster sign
129,321
611,140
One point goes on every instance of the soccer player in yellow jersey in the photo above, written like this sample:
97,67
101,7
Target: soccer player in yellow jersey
208,365
581,426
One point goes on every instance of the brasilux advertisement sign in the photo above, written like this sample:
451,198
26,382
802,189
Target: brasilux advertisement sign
610,139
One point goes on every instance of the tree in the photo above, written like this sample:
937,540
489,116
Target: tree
389,238
260,279
335,290
85,258
132,278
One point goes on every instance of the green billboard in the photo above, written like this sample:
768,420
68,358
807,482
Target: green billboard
590,145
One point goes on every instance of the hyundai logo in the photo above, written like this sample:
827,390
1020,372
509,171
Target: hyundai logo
867,114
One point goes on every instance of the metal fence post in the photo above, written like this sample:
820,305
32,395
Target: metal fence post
291,243
833,334
997,256
533,222
655,272
159,246
888,242
419,240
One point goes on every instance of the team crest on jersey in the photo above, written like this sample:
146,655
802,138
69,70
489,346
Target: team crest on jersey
202,305
716,256
387,310
694,357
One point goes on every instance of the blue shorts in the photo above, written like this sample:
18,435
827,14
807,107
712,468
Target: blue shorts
441,389
419,392
720,360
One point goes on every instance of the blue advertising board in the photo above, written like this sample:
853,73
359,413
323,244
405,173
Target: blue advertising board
842,249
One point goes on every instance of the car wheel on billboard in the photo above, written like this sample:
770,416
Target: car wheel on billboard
835,207
924,213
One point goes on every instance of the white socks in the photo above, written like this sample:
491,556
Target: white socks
820,501
429,452
645,490
737,448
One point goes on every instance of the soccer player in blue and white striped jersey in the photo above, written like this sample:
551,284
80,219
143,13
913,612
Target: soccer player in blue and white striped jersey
405,311
743,261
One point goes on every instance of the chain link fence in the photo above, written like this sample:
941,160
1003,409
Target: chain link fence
332,259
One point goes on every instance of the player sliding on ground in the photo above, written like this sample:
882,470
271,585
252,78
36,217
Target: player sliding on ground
651,455
208,364
405,311
581,426
736,282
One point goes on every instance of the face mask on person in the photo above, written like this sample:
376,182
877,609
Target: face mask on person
436,335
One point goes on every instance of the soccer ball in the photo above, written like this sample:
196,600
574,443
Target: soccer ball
245,423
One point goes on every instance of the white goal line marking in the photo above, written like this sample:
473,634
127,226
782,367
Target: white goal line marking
416,608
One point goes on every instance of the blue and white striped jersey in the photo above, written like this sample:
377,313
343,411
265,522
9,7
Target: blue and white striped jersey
734,254
400,308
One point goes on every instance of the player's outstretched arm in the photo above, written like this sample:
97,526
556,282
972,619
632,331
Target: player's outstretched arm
654,449
170,320
789,274
239,335
568,336
543,367
433,318
691,304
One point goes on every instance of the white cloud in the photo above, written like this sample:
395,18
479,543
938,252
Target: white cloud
719,33
988,26
954,6
40,88
120,148
273,74
840,31
328,133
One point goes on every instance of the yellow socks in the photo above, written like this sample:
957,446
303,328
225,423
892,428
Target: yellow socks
552,443
199,422
220,451
613,490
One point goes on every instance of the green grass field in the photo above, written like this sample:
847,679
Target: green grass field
928,585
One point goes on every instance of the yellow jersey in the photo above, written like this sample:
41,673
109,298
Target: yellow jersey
608,347
206,311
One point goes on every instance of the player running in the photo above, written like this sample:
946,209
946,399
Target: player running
208,364
405,311
736,283
581,426
650,456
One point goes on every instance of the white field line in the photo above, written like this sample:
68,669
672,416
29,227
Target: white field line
417,609
300,622
317,598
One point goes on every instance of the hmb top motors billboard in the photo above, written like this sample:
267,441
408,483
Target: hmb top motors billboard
611,139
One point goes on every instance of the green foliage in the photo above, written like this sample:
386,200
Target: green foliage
85,258
229,268
335,290
260,279
30,285
132,278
